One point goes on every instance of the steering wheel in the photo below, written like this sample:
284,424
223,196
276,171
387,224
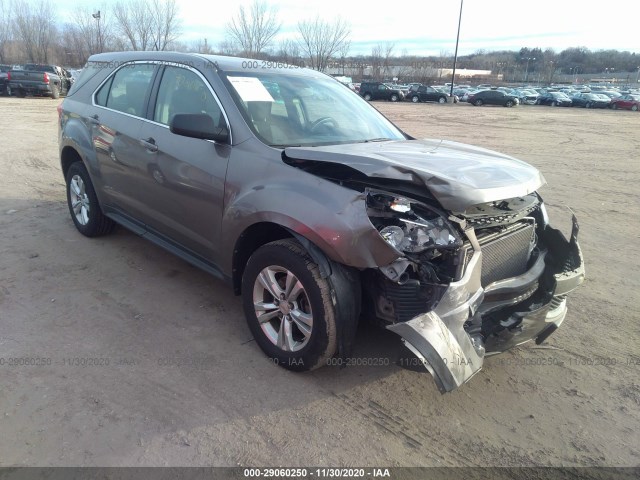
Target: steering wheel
321,121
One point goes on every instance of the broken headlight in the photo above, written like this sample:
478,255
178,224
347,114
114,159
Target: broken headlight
409,226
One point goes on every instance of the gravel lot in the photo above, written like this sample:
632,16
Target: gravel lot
140,359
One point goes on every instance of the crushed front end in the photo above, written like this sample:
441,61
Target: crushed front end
472,284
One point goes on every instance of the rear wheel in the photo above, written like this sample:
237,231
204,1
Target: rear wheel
21,93
55,92
442,100
588,105
415,99
634,108
478,103
614,106
554,104
394,98
509,103
288,306
367,96
83,203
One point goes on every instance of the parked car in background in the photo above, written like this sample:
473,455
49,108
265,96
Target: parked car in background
626,102
468,93
526,96
590,100
379,91
4,82
610,93
422,93
492,97
44,80
314,211
554,99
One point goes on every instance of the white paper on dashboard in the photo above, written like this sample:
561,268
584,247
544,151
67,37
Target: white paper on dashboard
251,89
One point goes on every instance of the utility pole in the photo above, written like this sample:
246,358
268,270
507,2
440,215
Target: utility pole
99,35
455,55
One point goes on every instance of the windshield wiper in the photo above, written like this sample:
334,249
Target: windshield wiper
376,140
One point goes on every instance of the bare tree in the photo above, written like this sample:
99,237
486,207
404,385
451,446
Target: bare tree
166,23
5,29
34,27
321,40
134,23
289,51
89,32
343,52
254,29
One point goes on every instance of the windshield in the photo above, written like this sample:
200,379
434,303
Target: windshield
292,110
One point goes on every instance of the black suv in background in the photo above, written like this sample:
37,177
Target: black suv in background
422,93
493,97
380,91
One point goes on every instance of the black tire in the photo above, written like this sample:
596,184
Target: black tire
614,106
323,342
587,105
478,103
554,104
7,91
442,100
367,97
98,224
394,98
415,99
634,108
509,103
55,92
21,93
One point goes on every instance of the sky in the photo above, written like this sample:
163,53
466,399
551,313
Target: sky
428,27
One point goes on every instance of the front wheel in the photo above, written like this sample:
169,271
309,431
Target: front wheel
415,99
634,108
83,203
394,98
21,93
55,92
478,103
367,97
442,100
554,104
614,106
288,306
509,103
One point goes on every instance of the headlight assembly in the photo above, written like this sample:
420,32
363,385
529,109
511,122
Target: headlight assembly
408,226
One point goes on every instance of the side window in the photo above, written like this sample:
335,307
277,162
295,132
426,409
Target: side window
103,93
183,91
128,89
422,89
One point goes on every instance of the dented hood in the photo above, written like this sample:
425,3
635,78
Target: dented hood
457,175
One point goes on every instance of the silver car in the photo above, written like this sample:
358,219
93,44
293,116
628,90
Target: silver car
316,209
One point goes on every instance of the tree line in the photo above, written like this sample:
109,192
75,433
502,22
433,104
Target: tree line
30,33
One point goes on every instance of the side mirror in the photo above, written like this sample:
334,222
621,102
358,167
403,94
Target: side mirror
198,125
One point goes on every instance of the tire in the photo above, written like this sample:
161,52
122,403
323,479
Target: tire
588,105
509,103
554,104
7,91
614,106
442,100
634,108
367,97
55,92
415,99
300,351
21,93
394,98
83,203
478,103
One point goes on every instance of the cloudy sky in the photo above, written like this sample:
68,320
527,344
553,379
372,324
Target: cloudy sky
428,27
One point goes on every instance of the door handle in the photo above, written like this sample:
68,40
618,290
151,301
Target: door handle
94,119
149,144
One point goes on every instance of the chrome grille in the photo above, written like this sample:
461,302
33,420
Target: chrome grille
505,253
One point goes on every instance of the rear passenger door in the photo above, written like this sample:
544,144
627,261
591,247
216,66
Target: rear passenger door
116,117
184,177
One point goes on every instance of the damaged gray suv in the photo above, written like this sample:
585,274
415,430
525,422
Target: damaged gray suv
316,208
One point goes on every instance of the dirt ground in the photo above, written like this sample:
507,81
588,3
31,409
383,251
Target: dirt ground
133,357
